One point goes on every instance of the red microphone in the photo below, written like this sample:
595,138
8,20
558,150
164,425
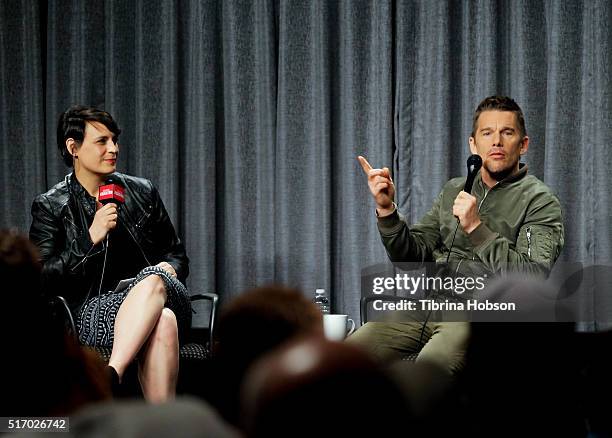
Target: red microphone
111,191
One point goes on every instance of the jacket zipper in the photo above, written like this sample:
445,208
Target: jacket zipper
84,259
127,222
485,196
480,205
529,242
483,199
458,264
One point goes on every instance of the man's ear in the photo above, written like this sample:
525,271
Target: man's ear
524,145
472,142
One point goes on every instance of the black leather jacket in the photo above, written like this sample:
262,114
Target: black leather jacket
71,262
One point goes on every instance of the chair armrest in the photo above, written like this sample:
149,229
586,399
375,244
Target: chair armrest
363,308
61,303
213,298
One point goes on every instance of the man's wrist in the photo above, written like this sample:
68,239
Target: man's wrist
383,212
472,227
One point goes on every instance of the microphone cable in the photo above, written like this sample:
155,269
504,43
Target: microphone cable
106,241
474,163
435,295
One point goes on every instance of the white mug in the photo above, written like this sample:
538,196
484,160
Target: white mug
335,327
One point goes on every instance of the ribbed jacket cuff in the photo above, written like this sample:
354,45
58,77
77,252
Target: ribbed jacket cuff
389,224
481,235
85,242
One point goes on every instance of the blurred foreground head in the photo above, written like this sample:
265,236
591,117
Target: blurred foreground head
311,385
251,325
20,271
47,372
19,266
261,319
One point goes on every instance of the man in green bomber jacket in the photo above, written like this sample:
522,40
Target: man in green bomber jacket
510,221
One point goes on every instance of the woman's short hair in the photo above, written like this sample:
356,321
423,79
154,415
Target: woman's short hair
72,123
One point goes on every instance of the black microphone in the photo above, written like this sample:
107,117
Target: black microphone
111,191
474,163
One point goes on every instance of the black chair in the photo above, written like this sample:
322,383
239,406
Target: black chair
195,351
366,308
199,340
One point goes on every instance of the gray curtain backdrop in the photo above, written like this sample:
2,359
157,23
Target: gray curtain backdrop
248,116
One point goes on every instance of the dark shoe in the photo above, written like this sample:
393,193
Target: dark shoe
114,380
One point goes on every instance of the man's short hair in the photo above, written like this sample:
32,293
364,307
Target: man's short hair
500,103
72,125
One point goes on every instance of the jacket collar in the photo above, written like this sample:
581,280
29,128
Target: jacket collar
77,188
89,202
75,185
522,173
80,194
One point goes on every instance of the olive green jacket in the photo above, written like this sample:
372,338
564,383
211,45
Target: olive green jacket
521,229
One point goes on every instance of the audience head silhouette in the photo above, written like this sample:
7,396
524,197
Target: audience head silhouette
311,384
65,376
251,325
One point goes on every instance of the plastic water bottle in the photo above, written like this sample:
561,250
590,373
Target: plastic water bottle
321,300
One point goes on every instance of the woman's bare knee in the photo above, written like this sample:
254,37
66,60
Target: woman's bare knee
166,329
153,284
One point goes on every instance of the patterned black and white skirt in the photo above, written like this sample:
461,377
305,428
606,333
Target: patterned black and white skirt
104,310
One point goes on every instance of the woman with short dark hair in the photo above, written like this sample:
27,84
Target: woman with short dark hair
88,248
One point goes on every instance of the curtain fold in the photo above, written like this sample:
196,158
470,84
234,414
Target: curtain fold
22,97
